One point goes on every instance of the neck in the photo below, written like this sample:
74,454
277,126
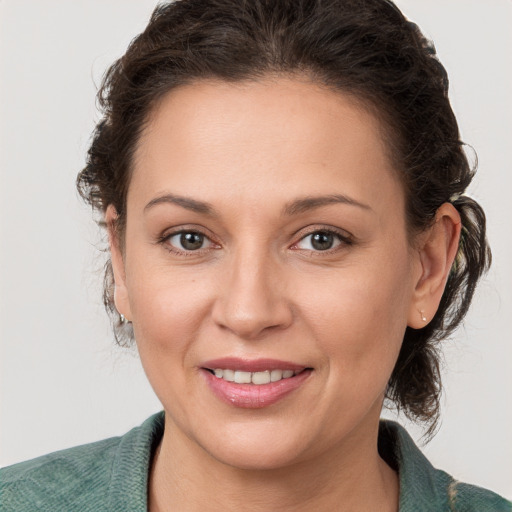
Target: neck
352,477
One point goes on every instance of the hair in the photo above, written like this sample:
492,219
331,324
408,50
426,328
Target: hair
365,48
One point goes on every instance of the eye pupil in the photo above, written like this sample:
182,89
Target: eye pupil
322,241
191,241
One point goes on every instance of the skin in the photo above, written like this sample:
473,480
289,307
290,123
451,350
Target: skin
258,288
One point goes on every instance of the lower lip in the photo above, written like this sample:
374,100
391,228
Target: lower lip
252,396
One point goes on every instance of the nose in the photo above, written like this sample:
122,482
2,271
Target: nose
251,300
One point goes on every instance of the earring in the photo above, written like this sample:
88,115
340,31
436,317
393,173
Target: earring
423,317
123,319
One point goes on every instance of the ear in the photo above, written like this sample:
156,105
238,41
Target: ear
121,299
437,250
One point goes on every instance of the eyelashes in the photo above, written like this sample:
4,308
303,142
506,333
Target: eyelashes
317,240
323,241
189,240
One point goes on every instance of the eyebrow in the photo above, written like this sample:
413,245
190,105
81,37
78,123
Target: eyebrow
295,207
185,202
311,202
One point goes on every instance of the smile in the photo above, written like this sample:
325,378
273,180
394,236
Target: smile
257,378
254,384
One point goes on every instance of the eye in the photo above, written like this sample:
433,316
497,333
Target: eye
189,241
320,241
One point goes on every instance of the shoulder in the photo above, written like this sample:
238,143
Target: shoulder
470,498
49,481
423,487
82,478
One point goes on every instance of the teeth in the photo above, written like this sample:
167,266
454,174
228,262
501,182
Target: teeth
260,377
257,378
242,377
276,375
228,375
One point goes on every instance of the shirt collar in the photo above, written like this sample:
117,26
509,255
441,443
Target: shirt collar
422,487
130,472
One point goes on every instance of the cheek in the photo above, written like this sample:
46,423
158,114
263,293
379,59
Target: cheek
359,315
168,307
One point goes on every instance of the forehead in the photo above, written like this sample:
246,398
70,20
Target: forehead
266,137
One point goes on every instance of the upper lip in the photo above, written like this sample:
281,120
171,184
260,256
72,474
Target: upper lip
251,365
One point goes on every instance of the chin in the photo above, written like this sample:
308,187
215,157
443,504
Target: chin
257,459
258,451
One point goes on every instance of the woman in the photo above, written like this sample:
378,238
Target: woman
283,188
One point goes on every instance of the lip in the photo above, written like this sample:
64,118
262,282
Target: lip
255,365
252,396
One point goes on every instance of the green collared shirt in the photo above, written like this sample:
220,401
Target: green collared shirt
112,475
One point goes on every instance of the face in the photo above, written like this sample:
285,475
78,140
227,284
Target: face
265,238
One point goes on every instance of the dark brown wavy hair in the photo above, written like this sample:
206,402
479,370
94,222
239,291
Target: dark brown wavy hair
365,48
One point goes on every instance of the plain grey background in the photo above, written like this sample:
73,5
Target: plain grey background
63,382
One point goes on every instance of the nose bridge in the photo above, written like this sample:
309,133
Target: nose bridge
252,298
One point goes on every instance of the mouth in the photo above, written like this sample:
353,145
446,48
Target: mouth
253,384
256,378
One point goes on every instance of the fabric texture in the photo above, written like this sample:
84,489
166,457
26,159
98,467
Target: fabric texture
112,476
